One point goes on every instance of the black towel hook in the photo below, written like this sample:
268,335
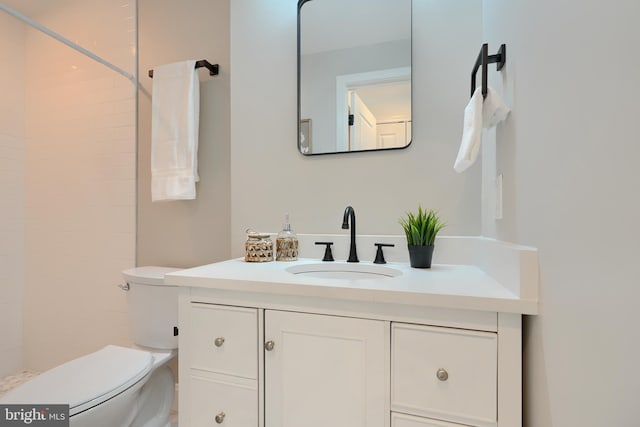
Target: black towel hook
484,59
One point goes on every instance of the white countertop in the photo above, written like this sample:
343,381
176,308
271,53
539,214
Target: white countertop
443,285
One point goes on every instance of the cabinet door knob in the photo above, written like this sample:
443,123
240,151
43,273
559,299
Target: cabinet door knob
442,374
269,345
219,341
220,417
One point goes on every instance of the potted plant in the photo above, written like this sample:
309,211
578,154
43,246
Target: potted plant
421,230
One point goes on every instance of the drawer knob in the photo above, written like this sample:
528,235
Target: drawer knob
219,341
442,374
269,345
220,417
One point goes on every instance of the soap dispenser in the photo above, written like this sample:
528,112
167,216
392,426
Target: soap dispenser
286,243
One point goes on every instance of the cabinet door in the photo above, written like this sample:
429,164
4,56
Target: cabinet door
325,371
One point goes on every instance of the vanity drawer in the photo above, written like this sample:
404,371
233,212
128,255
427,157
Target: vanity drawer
403,420
224,340
234,405
444,373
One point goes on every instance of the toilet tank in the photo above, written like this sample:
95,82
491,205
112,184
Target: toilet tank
153,307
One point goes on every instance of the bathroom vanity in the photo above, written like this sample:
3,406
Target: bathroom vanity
307,343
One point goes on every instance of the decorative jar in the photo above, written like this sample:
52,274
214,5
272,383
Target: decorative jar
258,247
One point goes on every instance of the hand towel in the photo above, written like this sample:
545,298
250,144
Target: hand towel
494,109
175,116
471,133
478,114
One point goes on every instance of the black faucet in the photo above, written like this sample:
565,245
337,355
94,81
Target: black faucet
349,212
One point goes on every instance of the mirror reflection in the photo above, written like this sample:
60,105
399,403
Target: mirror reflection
354,82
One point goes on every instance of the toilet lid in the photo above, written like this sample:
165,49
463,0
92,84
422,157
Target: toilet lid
87,381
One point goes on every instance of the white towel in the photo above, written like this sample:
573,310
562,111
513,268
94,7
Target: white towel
478,114
494,110
175,117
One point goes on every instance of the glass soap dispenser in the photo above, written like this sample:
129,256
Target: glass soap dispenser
286,243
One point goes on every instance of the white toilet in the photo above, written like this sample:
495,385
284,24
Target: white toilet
118,386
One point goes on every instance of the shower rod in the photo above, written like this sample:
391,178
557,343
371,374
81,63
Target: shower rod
66,41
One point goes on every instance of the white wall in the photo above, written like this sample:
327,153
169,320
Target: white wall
568,155
269,177
80,183
569,158
12,58
192,232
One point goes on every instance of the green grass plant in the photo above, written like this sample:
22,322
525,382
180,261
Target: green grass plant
421,228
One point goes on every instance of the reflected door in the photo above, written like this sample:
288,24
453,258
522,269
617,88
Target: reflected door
392,135
362,134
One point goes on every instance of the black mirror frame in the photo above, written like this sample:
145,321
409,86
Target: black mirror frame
300,4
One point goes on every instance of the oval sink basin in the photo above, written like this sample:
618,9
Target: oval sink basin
344,271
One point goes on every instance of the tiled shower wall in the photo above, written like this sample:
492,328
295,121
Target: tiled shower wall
12,63
79,182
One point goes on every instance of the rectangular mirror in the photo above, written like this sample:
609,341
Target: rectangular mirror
354,75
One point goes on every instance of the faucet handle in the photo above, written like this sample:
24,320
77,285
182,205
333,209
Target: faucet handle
328,256
379,255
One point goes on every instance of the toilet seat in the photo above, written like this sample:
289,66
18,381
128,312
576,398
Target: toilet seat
87,381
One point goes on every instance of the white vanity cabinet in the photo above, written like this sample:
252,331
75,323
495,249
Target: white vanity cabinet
316,370
269,365
264,346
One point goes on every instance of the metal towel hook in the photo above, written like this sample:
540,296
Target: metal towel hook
484,59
